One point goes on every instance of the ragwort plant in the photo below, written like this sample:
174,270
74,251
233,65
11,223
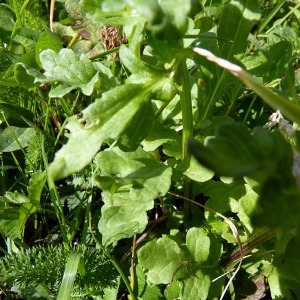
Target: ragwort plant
162,134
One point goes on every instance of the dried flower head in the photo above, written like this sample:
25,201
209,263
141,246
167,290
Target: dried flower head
111,37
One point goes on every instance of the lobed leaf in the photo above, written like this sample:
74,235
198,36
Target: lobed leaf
107,118
168,262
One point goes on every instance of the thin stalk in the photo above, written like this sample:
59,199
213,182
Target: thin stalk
102,54
132,269
19,22
187,124
270,16
249,109
279,22
124,277
73,41
17,141
55,199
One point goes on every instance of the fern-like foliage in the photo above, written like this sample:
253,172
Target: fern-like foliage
33,149
44,267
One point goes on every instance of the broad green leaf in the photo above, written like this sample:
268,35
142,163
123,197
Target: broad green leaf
107,118
280,56
287,84
236,22
107,79
195,288
237,19
190,168
230,153
132,181
283,275
138,128
27,37
149,178
257,64
21,75
234,152
204,247
8,140
248,207
7,21
7,58
176,13
158,136
144,290
119,222
22,78
14,198
71,71
223,197
47,40
198,244
9,223
100,13
285,198
134,65
169,262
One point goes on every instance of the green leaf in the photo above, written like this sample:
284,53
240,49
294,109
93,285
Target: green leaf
280,56
204,248
27,37
47,40
138,128
283,274
198,244
14,198
168,262
158,136
7,58
133,181
287,108
36,185
149,178
144,290
119,222
74,262
107,118
190,168
8,139
287,84
195,288
71,71
9,223
7,21
236,21
234,152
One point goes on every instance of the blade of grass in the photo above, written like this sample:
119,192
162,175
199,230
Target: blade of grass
287,108
74,263
55,198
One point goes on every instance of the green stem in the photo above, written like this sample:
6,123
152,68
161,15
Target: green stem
55,199
259,237
186,108
124,277
187,124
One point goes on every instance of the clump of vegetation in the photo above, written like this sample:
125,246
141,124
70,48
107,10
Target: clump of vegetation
159,137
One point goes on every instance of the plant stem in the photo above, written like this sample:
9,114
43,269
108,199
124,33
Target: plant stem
55,199
187,123
124,277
